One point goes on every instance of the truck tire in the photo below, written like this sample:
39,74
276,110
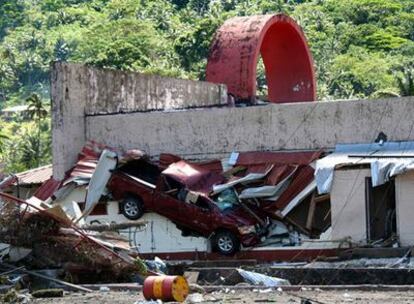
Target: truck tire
132,208
225,242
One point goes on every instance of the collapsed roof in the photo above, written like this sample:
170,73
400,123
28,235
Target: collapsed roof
385,160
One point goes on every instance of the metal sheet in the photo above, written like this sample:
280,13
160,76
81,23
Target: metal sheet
47,189
303,176
269,192
245,179
385,160
107,163
299,198
281,158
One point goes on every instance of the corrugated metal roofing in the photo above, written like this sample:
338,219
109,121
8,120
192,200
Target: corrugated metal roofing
47,189
35,176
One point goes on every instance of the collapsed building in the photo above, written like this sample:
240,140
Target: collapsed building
215,145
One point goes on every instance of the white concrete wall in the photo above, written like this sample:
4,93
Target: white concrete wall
348,207
210,132
404,196
79,93
159,236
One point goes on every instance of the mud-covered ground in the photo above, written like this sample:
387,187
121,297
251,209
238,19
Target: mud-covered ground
314,296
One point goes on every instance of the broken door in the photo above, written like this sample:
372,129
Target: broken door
380,210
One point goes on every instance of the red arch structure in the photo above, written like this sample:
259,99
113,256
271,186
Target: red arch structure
286,56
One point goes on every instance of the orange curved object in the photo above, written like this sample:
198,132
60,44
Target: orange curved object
166,288
280,41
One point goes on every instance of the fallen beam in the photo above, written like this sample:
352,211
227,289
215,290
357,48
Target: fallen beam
113,226
33,273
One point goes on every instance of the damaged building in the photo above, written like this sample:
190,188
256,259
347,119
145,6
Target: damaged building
209,167
370,186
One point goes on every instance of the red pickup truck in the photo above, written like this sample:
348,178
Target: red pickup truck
140,186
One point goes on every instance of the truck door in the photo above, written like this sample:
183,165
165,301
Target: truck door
197,215
165,200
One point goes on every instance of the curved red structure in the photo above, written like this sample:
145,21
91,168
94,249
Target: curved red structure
280,41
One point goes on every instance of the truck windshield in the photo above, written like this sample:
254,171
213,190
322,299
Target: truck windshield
226,199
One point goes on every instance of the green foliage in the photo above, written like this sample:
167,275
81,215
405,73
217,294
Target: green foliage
361,48
10,15
23,146
405,80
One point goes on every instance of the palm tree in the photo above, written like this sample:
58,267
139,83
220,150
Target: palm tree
38,112
405,82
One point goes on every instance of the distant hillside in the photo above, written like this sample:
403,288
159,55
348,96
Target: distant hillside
360,46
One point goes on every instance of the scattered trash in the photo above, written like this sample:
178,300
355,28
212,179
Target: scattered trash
260,279
157,265
265,290
197,288
195,298
104,289
149,302
13,296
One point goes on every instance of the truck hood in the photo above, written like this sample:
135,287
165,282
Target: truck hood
239,216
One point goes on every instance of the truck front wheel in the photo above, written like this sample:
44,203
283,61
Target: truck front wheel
132,208
225,242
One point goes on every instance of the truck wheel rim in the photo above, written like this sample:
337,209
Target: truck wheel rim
225,243
131,208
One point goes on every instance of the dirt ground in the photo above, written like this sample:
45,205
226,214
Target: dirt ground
314,296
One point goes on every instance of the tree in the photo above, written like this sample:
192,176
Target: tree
38,112
406,81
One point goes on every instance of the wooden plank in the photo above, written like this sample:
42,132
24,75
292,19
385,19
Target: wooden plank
322,198
311,212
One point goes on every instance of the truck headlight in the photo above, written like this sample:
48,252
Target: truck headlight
247,229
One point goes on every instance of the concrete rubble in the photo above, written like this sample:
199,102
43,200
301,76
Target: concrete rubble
267,187
43,234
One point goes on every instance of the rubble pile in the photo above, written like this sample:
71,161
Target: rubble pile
249,199
50,240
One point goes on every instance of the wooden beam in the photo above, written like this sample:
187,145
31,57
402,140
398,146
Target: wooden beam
311,212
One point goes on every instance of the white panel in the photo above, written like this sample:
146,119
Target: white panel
404,192
348,204
160,234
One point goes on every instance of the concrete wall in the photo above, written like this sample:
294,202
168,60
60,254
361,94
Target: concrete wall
68,92
404,195
78,93
271,127
348,209
160,235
